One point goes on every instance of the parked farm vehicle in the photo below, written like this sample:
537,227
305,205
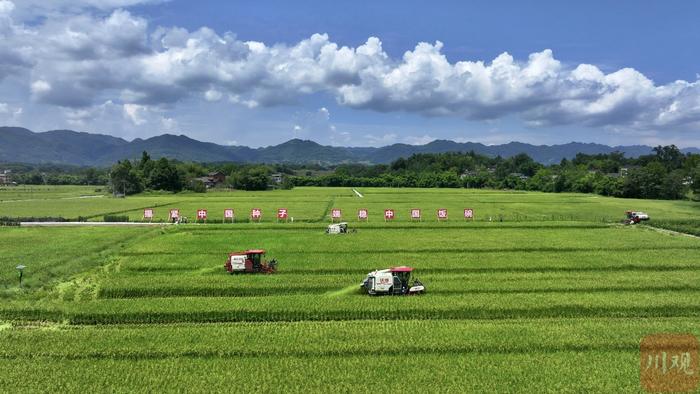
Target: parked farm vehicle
339,228
250,261
392,281
634,217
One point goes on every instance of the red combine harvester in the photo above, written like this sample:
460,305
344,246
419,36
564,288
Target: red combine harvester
635,217
250,262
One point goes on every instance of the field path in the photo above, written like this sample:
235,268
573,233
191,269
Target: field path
89,224
60,198
670,232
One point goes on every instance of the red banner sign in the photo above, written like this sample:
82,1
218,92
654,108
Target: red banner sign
256,213
336,213
442,214
468,213
228,213
388,214
362,214
282,213
201,214
415,213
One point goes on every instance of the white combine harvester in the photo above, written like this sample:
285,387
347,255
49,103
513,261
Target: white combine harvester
392,281
338,228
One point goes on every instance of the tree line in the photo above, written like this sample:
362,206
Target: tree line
56,174
667,173
131,177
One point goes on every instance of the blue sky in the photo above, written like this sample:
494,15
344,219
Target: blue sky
360,73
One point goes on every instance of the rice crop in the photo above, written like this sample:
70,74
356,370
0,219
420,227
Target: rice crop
555,297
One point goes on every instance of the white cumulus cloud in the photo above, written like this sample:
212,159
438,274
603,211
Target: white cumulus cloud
82,60
419,140
10,114
135,113
381,140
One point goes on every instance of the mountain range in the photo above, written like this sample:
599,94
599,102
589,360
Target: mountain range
20,145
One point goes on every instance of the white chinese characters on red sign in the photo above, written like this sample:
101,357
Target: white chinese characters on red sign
148,213
388,214
442,213
362,214
336,213
201,214
228,213
174,213
468,213
282,213
415,213
256,213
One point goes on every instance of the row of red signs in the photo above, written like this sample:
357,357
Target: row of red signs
255,213
336,213
390,214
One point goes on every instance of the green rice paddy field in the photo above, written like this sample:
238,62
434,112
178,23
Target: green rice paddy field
540,293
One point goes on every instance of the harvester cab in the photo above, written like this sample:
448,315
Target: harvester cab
392,281
338,228
250,261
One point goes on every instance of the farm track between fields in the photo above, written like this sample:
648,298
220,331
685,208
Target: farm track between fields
671,232
242,315
463,314
492,270
444,251
381,226
101,214
160,292
408,351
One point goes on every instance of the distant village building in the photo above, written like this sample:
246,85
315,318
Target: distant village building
469,173
217,177
277,178
5,177
206,181
213,179
519,175
624,171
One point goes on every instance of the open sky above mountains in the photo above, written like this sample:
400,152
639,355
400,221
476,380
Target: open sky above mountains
356,73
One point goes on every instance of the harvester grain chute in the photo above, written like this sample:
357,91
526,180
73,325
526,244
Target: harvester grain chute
339,228
392,281
250,261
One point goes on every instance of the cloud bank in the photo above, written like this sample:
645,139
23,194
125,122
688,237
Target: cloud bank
82,61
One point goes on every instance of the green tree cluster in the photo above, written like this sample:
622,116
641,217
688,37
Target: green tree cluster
665,174
130,178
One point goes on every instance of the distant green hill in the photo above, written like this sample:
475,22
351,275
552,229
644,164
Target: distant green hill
20,145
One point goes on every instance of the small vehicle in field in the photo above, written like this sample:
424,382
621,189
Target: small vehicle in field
338,228
634,217
251,262
392,281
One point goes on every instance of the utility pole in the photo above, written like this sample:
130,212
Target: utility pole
20,268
